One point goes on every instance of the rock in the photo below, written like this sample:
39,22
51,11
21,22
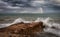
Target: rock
23,29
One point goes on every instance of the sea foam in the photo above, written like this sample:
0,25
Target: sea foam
46,22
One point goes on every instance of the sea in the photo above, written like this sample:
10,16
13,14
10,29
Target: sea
50,20
29,16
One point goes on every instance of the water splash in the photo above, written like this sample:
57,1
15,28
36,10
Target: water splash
51,27
46,22
18,20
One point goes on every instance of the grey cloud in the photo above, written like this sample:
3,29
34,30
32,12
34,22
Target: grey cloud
52,6
54,2
28,6
7,8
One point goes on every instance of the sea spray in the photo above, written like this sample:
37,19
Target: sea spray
18,20
50,27
54,28
46,21
53,31
4,25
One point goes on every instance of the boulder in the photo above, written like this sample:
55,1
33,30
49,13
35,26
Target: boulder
23,29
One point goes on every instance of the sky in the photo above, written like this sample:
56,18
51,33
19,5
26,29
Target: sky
29,6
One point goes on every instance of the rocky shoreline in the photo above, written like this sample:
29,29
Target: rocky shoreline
22,29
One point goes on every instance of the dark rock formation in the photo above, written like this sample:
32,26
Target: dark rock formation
22,29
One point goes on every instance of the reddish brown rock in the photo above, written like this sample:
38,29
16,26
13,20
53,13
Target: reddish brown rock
23,29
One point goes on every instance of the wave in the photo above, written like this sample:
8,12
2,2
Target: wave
46,22
18,20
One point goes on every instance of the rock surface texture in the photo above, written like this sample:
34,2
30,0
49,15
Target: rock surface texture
22,30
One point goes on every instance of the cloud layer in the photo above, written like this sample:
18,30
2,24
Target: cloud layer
29,6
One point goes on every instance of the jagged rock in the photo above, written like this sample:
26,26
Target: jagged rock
22,29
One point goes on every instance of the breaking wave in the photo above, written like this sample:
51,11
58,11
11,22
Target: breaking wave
46,21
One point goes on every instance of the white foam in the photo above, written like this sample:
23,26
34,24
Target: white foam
5,25
51,30
46,22
49,26
18,20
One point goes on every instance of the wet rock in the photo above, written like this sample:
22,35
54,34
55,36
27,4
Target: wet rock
22,29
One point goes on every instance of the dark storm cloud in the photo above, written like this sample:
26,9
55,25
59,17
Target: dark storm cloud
55,2
29,6
52,6
8,6
20,6
22,3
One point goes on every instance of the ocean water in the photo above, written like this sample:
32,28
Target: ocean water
51,21
30,16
